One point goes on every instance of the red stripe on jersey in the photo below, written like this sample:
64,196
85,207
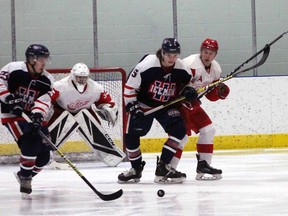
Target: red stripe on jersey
128,87
193,71
129,96
39,108
12,119
4,92
45,104
54,94
15,129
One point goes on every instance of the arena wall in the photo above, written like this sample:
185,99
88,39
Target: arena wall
254,115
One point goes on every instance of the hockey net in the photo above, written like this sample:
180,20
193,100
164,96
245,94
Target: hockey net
113,80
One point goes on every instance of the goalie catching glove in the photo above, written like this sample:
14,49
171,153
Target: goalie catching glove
108,113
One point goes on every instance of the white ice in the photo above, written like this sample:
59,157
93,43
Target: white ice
254,183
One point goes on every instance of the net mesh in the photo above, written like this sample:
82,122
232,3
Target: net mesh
112,79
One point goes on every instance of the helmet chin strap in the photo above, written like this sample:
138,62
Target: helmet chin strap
33,68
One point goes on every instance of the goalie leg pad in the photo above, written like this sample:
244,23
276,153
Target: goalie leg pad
62,128
96,136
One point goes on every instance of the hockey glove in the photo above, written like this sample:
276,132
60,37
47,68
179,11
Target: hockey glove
190,93
108,113
15,103
223,90
134,109
36,123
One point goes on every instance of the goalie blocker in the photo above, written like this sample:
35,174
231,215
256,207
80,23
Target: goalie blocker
91,131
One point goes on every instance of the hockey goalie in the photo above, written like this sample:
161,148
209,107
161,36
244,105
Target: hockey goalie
77,103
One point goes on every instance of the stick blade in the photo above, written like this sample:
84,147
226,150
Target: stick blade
109,197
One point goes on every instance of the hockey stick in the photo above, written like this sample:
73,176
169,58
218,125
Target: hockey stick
105,197
235,72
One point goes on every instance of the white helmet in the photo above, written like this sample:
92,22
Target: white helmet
80,74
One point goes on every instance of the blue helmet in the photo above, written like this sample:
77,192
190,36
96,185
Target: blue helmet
170,45
36,50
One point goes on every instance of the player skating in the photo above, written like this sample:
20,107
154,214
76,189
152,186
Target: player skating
76,99
21,84
156,80
205,70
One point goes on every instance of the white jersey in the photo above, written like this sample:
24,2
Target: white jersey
70,99
202,77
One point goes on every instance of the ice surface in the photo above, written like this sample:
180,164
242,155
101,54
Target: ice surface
254,183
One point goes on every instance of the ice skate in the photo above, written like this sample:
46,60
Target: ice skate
166,174
132,176
25,185
203,168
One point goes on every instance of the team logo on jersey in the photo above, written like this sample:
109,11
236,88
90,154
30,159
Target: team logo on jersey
162,91
78,104
28,96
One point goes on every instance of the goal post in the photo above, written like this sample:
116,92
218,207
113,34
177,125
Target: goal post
113,80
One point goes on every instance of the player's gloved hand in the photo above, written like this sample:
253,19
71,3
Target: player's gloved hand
18,110
222,90
134,109
190,93
15,103
12,99
36,123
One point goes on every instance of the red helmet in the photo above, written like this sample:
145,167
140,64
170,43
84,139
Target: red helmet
210,44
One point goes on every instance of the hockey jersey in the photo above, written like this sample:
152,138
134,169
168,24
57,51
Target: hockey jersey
151,85
15,79
69,98
202,76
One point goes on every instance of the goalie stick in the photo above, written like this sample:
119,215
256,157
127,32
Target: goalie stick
105,197
204,90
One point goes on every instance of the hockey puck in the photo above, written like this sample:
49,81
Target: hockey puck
160,193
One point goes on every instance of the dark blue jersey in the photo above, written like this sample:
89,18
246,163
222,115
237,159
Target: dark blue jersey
15,79
152,85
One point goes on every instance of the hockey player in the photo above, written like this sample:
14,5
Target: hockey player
156,80
205,70
21,83
77,94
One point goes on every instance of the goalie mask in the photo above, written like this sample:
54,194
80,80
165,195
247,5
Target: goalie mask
80,74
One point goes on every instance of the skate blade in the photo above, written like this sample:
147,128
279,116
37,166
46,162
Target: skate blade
208,177
26,196
165,180
131,181
16,176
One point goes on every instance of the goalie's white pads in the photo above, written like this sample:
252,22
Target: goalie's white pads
107,112
94,134
61,129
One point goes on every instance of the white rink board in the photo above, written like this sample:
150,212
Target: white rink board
257,105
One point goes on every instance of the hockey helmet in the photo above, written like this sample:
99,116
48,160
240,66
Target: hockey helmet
37,50
210,44
170,45
80,73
